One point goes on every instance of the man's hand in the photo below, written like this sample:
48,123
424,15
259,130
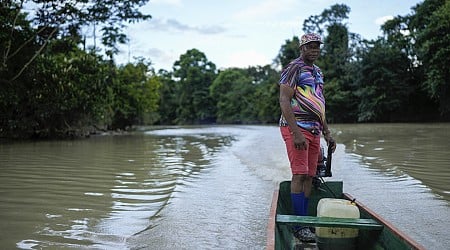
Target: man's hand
300,142
330,141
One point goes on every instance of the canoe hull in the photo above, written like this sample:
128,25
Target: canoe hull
279,235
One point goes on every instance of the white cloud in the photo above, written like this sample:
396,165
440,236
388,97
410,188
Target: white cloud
381,20
243,59
175,25
168,2
264,9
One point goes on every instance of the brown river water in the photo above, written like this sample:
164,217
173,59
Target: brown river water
209,187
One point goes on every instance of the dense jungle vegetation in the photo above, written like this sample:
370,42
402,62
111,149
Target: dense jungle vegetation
53,85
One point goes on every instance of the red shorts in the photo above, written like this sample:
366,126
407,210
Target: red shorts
302,161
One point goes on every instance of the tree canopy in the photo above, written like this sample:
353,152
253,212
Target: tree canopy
54,84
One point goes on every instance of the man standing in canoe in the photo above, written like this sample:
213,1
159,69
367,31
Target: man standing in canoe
302,121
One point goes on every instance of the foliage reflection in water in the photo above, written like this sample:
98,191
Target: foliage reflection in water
94,192
419,151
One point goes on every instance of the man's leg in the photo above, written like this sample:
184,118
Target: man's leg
300,206
299,168
313,156
307,185
298,194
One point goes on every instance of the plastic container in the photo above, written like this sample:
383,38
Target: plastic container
334,237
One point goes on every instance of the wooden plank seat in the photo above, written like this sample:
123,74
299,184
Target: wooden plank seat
329,222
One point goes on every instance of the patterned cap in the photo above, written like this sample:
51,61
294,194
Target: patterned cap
310,37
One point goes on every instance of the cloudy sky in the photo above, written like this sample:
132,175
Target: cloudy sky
240,33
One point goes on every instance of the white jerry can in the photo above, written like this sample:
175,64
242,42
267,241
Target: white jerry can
334,237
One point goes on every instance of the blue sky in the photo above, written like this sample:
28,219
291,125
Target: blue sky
240,33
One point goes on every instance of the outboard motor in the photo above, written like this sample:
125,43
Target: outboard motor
323,165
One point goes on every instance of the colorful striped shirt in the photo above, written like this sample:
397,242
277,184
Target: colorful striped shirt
308,102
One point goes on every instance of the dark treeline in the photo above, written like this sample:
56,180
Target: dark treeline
53,85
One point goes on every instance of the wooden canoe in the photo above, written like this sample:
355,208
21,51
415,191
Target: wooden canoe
374,232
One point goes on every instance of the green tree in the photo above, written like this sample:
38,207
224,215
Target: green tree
399,41
16,47
335,15
288,52
430,25
194,74
266,93
55,19
136,95
383,86
48,85
67,91
233,92
335,61
168,102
